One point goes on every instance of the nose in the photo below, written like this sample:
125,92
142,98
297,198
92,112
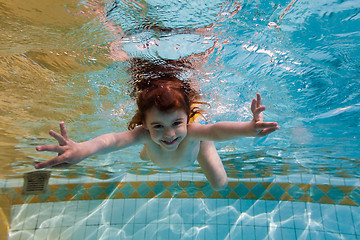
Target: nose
169,132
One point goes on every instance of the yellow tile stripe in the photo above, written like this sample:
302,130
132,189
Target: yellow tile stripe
5,209
343,195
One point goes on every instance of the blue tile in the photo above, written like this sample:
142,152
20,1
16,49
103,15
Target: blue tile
191,189
159,189
111,190
259,190
355,195
336,194
175,189
276,191
315,193
78,191
207,190
295,191
127,190
241,190
61,192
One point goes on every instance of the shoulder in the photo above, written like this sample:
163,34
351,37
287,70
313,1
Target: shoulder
141,134
199,131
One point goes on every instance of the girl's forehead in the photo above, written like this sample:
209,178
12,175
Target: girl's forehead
154,113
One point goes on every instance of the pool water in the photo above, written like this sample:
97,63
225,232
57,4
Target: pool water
68,61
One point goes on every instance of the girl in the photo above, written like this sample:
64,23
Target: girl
162,125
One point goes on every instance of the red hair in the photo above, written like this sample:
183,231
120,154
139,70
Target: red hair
163,90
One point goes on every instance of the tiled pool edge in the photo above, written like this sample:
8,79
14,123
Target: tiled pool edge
280,191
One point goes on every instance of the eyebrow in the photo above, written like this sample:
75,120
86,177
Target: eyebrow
159,123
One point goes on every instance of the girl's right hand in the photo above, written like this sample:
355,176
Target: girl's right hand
69,152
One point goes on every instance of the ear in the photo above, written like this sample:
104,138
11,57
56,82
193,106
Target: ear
144,125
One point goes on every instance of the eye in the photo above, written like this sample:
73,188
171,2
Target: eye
158,126
177,123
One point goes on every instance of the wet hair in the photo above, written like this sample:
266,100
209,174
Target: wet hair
157,83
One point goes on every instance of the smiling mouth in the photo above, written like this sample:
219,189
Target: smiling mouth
170,142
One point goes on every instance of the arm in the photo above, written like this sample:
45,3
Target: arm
70,152
221,131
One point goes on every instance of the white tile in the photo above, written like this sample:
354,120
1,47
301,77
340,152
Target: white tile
175,211
356,218
69,214
129,211
187,210
329,218
151,210
288,233
91,232
234,211
41,234
302,234
315,217
247,212
301,217
94,213
248,232
82,212
27,234
53,233
345,219
117,211
210,211
139,232
260,215
286,215
43,220
141,209
261,233
235,232
273,213
223,231
322,179
175,231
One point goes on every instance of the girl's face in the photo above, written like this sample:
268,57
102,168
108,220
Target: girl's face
167,129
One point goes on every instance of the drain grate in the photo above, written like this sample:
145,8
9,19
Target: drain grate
35,182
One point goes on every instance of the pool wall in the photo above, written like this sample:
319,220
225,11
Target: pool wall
176,206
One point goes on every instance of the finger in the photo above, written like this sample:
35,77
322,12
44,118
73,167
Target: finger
259,110
62,165
63,130
253,105
264,125
258,96
267,131
58,137
50,148
50,162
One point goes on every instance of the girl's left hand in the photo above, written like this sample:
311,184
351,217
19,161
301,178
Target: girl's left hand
261,128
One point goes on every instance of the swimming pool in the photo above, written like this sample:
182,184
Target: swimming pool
64,63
